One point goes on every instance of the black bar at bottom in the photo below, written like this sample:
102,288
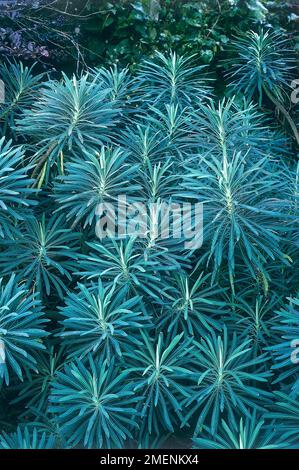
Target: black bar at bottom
137,458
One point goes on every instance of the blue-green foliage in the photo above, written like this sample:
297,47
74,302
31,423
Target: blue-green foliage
98,179
21,87
228,379
34,391
161,376
264,61
191,305
16,193
22,328
26,438
69,115
98,319
252,433
93,405
140,341
42,254
286,413
287,328
126,263
253,317
171,79
241,213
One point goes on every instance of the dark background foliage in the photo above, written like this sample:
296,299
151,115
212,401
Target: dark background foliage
71,35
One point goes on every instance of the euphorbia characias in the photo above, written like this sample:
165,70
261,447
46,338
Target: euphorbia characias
135,339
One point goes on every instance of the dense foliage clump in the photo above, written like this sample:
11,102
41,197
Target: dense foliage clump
127,337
